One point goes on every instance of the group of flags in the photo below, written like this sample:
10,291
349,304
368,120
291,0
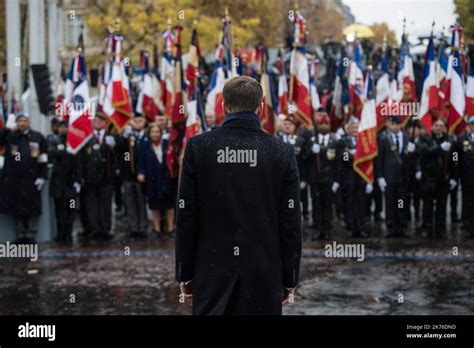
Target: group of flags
177,92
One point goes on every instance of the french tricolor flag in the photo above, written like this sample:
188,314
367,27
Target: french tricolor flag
383,101
356,80
282,86
470,92
429,93
214,96
78,105
457,98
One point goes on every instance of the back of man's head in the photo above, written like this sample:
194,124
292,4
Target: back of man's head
242,94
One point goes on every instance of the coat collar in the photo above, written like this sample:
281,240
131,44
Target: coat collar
242,119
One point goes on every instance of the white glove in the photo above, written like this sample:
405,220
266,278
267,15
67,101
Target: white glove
302,185
340,132
452,184
109,140
382,184
316,149
335,187
77,187
39,183
369,188
418,175
446,146
127,131
411,147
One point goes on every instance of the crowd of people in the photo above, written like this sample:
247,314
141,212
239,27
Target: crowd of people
415,174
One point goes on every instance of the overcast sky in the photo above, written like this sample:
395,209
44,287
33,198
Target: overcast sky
419,14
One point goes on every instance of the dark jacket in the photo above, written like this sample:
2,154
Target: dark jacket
345,173
392,165
297,141
157,176
320,168
25,161
97,163
437,166
238,226
66,169
128,151
465,149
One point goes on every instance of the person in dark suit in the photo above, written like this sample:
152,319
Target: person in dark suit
354,188
288,135
97,174
65,182
437,178
238,237
394,147
465,172
129,149
319,155
414,194
160,189
24,174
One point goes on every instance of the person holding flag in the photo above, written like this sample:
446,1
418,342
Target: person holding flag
319,155
394,149
465,172
437,178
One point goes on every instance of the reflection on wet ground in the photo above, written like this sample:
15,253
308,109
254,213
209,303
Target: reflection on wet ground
398,276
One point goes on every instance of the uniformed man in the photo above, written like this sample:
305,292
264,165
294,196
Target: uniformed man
288,135
97,173
414,193
24,175
394,149
65,182
128,151
319,156
354,188
465,152
436,162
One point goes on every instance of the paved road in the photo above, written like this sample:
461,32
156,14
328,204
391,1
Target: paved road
397,276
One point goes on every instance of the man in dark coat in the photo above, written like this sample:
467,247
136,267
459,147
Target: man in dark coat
65,181
319,155
24,175
394,149
238,241
129,148
465,171
288,135
354,188
437,178
97,174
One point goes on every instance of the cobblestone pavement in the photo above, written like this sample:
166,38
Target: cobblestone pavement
398,276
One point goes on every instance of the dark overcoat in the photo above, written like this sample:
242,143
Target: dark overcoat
26,160
238,222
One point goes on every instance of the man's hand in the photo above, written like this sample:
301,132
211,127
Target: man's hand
141,177
287,294
186,289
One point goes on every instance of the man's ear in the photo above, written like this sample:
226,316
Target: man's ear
260,109
226,110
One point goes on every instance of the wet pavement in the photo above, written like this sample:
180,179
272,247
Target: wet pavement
398,276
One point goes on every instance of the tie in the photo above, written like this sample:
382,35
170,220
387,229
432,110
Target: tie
97,137
399,143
